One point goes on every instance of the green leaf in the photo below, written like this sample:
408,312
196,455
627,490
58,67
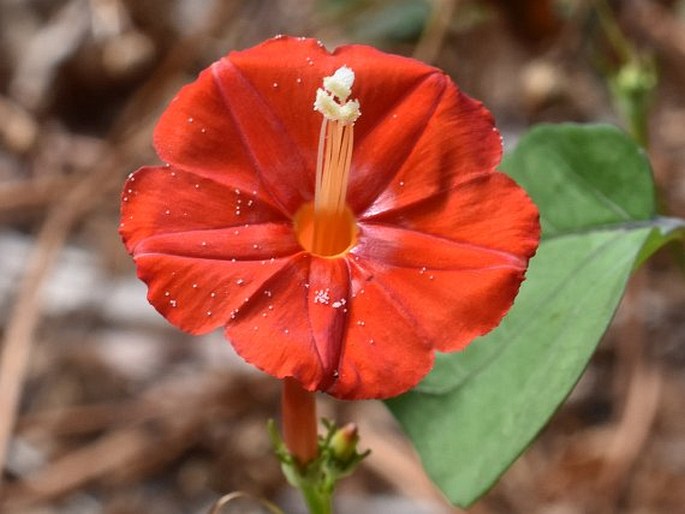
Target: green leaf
595,192
382,22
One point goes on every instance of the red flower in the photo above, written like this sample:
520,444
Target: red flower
424,252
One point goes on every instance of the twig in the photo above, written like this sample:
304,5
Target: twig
428,47
36,192
87,419
225,500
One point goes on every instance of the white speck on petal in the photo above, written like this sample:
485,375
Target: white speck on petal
322,296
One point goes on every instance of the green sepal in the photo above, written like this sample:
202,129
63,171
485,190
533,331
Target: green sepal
317,479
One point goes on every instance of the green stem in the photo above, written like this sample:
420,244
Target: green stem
317,500
633,81
637,114
613,32
336,454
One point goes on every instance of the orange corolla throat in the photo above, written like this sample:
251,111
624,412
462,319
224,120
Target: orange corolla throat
327,227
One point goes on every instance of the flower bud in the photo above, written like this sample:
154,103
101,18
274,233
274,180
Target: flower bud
344,442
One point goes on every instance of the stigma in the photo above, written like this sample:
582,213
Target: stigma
336,140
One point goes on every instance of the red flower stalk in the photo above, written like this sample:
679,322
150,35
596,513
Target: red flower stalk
299,421
339,249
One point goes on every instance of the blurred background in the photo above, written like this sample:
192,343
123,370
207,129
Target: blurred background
105,408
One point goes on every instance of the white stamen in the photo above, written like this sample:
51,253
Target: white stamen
334,158
338,85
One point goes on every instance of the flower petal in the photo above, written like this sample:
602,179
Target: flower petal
281,165
327,309
480,237
450,307
458,140
262,243
402,248
252,111
488,210
201,246
166,200
198,295
385,353
272,331
297,328
380,152
197,133
383,82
